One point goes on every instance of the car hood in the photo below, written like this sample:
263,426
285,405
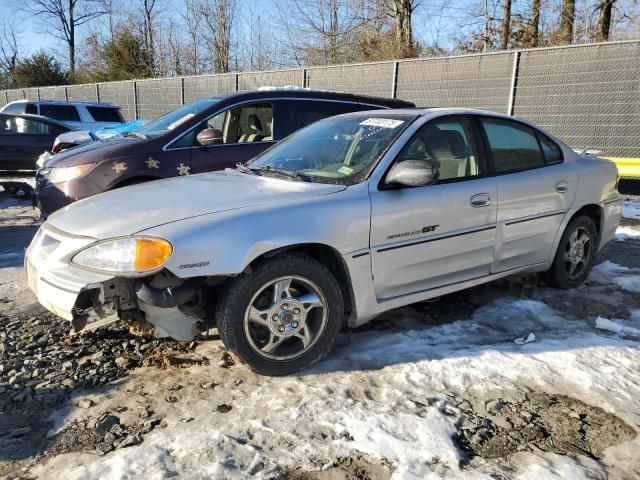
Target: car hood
94,152
136,208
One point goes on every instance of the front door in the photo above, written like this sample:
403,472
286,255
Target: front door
535,191
436,235
244,132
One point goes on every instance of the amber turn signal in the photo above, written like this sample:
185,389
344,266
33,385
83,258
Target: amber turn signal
151,253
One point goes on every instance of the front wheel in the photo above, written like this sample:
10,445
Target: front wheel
575,255
283,316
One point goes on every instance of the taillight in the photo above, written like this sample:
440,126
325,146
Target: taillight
57,147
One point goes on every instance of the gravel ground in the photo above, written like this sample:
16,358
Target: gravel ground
100,392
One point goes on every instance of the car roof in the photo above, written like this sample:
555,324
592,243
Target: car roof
36,117
310,93
67,102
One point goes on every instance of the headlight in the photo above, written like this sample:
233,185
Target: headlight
64,174
131,256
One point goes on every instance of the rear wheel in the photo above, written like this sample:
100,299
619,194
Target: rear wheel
283,316
575,255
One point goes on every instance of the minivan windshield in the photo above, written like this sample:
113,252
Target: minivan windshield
174,118
340,149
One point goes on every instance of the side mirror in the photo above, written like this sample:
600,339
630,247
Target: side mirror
413,173
209,136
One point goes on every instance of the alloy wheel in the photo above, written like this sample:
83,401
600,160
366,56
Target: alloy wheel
285,317
577,252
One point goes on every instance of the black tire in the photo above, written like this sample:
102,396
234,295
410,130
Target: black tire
558,275
236,296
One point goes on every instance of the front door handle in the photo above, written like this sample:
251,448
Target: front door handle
562,186
480,200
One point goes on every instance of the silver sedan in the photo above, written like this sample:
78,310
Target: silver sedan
347,218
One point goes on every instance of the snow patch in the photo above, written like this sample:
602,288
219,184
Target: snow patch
606,324
627,233
609,272
631,209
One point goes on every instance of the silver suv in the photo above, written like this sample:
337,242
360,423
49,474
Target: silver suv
345,219
77,115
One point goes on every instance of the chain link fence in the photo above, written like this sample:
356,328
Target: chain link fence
588,95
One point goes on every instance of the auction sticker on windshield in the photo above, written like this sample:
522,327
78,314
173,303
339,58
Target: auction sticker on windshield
382,122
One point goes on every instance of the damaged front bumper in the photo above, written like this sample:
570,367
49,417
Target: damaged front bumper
91,299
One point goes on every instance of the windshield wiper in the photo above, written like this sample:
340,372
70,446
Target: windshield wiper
242,167
285,173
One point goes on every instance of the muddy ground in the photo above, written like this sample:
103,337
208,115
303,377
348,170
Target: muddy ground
115,388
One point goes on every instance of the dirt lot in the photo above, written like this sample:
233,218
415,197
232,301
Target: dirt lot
509,380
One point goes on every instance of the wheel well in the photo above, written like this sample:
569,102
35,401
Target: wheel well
133,181
594,212
330,258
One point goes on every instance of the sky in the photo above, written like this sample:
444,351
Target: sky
436,23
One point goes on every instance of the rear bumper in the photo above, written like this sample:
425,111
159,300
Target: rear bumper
612,210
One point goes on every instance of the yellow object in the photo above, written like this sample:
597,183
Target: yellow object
627,166
151,253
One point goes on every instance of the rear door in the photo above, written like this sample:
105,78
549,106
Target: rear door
535,191
427,237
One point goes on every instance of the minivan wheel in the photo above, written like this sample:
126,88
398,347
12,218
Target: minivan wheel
575,255
283,315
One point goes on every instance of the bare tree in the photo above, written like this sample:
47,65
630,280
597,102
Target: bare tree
9,49
402,15
505,29
219,16
604,19
193,24
110,9
323,32
63,18
148,13
535,22
567,20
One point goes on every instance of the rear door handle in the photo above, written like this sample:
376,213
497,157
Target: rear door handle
562,186
480,200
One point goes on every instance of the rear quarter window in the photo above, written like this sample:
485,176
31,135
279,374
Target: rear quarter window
105,114
550,149
15,108
62,113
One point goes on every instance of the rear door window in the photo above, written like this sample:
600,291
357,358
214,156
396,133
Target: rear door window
28,126
297,114
62,113
513,145
31,109
105,114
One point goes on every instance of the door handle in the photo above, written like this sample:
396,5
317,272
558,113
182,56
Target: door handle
562,186
480,200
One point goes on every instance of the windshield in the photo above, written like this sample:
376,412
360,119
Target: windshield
340,149
175,118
